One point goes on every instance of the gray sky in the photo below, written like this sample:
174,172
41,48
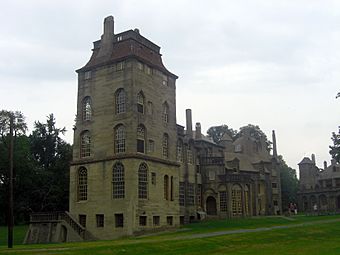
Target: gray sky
275,64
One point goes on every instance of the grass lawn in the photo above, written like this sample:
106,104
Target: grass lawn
316,238
19,233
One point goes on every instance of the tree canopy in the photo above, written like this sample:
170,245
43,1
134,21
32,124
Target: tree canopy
217,132
335,148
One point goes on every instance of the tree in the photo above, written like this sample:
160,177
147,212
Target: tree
289,184
335,149
217,132
255,132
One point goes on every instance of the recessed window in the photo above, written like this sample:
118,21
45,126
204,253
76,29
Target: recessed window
100,220
166,187
189,154
179,154
153,178
223,201
120,98
120,66
119,142
87,75
181,194
156,220
119,220
82,184
165,146
191,194
148,70
275,202
151,146
169,220
85,144
82,220
141,139
165,113
140,102
142,220
164,79
119,38
143,181
118,182
274,185
140,66
87,109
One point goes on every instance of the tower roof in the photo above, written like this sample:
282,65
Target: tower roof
306,160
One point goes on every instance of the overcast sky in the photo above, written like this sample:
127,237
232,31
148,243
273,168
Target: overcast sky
275,64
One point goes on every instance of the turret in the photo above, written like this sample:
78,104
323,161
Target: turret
308,172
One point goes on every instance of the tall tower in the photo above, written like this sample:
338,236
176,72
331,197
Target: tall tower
124,176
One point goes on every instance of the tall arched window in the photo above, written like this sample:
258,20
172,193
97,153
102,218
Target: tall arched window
246,200
166,187
141,139
165,113
82,184
179,151
140,102
87,109
236,196
120,139
165,146
85,144
143,181
120,98
118,183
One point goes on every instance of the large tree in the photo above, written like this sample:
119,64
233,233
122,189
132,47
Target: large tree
255,132
217,132
335,148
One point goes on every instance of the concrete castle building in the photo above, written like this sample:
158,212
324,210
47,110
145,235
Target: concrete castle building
135,169
319,189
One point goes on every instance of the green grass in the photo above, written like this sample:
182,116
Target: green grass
19,233
316,238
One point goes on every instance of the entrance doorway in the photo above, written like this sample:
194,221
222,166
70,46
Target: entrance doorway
211,206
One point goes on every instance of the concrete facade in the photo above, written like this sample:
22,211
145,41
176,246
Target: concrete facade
187,177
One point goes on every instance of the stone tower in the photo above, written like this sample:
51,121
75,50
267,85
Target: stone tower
124,175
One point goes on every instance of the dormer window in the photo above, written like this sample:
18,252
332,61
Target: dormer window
119,38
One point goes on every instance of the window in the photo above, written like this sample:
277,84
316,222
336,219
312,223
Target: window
140,102
120,98
169,220
191,194
156,220
140,138
143,181
120,66
179,152
87,110
275,202
246,200
274,185
82,184
140,66
337,182
164,80
87,75
119,220
189,154
150,108
172,188
165,146
223,201
100,220
181,194
166,187
82,220
153,178
198,195
119,38
147,69
329,183
165,113
236,196
118,182
142,220
151,147
85,146
119,139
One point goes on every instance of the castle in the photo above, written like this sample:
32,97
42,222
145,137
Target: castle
135,169
319,189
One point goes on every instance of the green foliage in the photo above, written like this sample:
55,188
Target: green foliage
335,149
255,132
217,132
19,124
289,184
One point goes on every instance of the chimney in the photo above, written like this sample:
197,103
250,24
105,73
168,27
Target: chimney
324,164
333,162
106,42
274,144
198,131
189,122
313,159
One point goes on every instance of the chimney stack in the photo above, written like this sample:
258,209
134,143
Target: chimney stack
106,42
313,159
198,131
274,144
325,165
189,122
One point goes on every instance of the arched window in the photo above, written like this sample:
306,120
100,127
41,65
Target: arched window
118,183
172,188
85,144
120,98
120,139
246,200
179,151
165,113
236,196
87,109
141,139
140,102
143,181
165,146
166,187
82,184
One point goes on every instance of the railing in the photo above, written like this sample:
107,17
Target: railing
59,216
212,160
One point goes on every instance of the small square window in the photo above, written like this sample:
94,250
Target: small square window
142,220
156,220
153,178
100,220
169,220
87,75
119,220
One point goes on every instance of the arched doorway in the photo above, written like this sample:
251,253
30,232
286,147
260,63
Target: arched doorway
211,206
